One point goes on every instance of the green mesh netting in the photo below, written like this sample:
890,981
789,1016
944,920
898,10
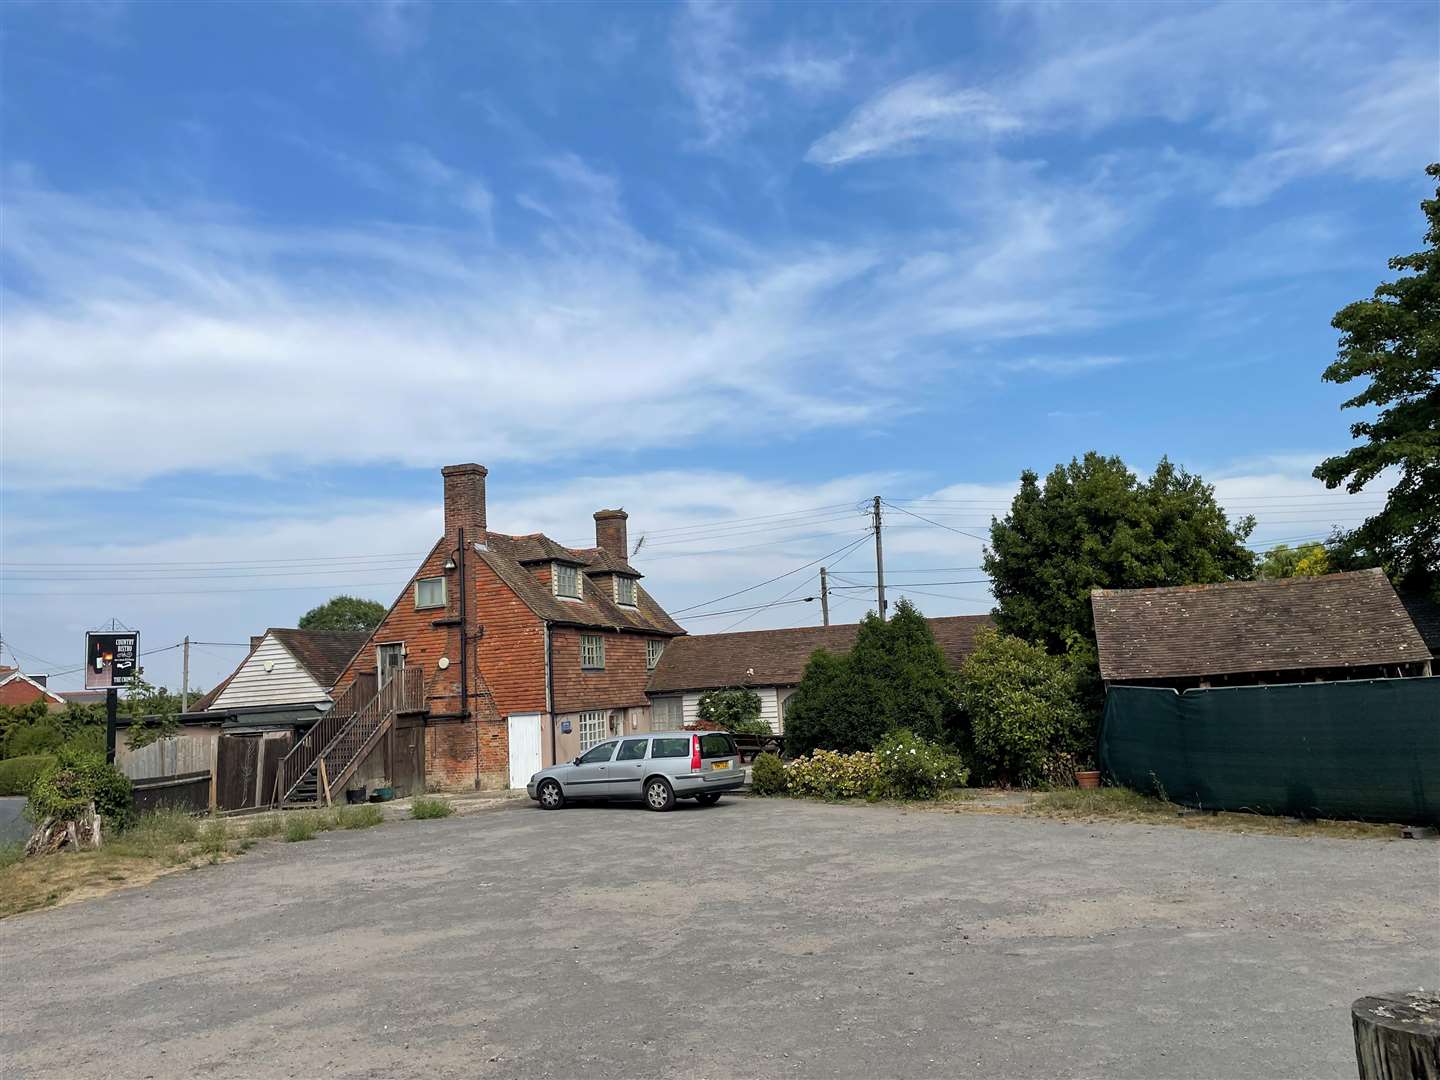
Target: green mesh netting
1366,750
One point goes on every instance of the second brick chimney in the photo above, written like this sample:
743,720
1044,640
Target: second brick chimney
464,502
610,533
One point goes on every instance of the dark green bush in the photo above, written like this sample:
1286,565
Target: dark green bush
767,775
76,779
18,774
735,708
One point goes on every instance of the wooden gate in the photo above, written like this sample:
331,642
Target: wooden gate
237,764
408,763
272,751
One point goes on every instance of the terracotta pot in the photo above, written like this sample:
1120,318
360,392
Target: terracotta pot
1087,778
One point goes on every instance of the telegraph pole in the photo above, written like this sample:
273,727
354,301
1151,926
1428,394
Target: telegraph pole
185,678
824,599
879,559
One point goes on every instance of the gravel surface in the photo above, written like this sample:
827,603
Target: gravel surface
755,938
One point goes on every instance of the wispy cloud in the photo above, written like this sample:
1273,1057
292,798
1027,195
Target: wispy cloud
395,26
905,116
1293,89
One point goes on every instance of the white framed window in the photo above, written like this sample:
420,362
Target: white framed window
429,592
667,713
567,580
592,652
389,658
624,590
653,648
593,729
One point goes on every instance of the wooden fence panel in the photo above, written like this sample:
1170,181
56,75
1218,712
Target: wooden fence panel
237,766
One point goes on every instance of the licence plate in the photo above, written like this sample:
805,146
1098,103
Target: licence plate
719,765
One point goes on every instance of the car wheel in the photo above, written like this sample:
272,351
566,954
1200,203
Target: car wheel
549,795
708,799
659,795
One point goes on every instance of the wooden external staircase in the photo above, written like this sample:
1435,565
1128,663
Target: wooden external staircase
329,753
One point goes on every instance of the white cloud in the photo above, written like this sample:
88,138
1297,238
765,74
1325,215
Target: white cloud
1287,89
197,339
469,193
903,117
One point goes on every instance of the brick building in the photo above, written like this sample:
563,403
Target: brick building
17,688
529,651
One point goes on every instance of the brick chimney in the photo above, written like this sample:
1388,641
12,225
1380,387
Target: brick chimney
464,502
610,533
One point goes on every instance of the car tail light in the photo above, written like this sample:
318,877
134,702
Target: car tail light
695,753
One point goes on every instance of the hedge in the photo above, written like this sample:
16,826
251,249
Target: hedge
17,774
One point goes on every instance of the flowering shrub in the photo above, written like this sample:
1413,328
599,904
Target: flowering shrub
910,767
832,775
767,776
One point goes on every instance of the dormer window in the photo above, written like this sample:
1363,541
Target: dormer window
567,580
624,590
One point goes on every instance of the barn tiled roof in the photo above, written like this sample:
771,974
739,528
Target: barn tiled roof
778,657
509,555
1335,621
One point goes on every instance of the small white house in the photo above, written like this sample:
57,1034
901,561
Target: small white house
285,668
769,662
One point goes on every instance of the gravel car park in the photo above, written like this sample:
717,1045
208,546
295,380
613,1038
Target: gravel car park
773,938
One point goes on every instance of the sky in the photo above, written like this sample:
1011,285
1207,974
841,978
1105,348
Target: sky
265,268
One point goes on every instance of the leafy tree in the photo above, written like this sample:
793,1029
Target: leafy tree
1027,722
1393,339
894,677
1095,524
341,613
37,729
153,711
735,709
77,779
1283,561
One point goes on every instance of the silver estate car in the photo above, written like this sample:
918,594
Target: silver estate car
657,768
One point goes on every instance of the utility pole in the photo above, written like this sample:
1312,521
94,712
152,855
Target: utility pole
879,560
185,677
824,599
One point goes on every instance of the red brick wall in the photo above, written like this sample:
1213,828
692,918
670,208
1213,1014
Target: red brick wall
20,692
620,685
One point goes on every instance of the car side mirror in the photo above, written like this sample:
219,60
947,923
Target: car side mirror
576,761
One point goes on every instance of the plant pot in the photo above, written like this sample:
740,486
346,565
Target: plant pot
355,795
1087,778
382,794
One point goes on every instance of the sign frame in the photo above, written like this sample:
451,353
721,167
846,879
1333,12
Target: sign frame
112,658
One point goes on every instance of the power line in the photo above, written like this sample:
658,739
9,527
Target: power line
778,577
757,607
937,524
798,585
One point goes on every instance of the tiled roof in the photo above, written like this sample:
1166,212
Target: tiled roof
778,657
323,653
1425,614
1338,620
507,556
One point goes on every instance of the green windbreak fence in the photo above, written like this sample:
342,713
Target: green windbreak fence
1366,749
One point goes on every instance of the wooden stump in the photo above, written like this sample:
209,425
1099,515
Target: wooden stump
51,835
1397,1036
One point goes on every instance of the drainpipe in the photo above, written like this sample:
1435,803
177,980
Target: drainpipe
465,653
550,692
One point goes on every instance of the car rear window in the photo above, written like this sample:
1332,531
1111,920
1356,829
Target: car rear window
670,748
716,744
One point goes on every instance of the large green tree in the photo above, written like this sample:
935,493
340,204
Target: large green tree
1283,561
1094,523
344,613
1393,341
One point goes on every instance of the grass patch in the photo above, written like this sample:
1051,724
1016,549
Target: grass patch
363,816
301,825
423,808
267,825
11,853
1124,804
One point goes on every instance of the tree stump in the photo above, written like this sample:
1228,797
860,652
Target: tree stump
1397,1036
52,834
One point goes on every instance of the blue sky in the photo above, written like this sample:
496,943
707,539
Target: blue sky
267,267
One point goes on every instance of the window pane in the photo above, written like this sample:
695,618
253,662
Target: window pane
592,651
567,580
625,590
670,748
598,754
716,744
592,729
632,749
430,592
653,649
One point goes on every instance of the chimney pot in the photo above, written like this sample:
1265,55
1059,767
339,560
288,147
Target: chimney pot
611,534
464,502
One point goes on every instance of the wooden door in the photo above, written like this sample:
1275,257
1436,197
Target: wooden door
237,765
408,764
272,750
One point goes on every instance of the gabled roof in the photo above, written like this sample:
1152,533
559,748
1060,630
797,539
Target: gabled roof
19,676
509,555
322,653
1335,621
778,657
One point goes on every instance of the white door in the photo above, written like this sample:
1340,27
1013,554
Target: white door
524,748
